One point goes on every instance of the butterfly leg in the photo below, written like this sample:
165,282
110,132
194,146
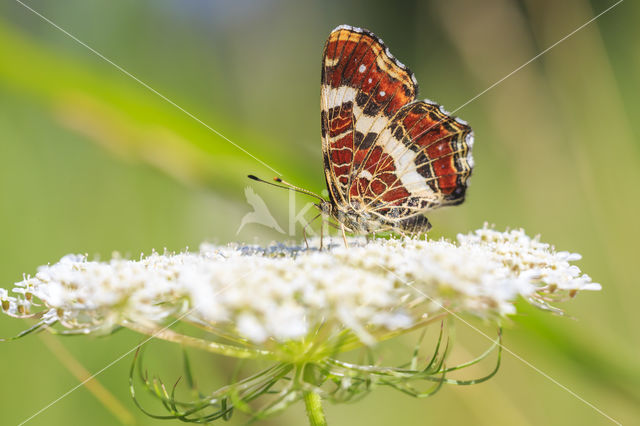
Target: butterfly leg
304,231
326,223
304,235
344,236
321,233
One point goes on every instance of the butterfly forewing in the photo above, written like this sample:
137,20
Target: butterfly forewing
362,87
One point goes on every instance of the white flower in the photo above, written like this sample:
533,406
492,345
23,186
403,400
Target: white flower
284,293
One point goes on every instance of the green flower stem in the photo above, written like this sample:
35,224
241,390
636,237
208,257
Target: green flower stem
313,404
158,332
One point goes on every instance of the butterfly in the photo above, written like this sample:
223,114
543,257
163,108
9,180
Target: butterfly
388,157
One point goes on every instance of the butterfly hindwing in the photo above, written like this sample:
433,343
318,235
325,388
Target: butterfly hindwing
421,160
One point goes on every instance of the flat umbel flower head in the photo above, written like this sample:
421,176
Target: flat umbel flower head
300,307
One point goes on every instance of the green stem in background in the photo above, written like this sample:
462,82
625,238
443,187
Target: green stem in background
313,404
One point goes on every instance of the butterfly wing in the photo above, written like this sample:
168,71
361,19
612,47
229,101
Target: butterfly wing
362,86
386,155
421,160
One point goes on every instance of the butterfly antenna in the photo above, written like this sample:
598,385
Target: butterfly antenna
287,185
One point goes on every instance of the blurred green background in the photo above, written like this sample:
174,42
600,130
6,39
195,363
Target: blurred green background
93,162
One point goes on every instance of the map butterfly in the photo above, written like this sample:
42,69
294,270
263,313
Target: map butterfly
388,158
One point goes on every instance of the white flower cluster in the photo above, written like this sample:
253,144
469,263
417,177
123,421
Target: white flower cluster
283,293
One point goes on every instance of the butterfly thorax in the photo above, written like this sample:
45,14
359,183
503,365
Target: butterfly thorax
353,217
